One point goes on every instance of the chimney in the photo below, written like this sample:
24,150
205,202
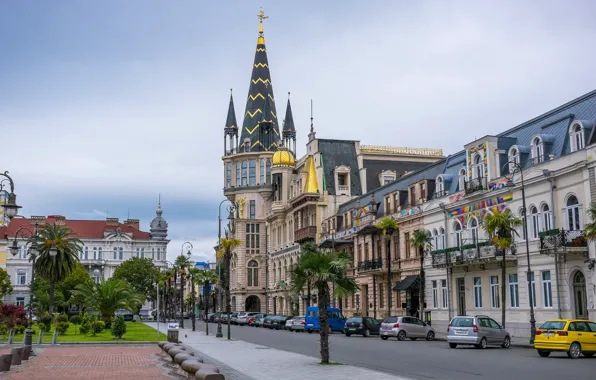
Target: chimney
39,220
112,222
56,219
134,223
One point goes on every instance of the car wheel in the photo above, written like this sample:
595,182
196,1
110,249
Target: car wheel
401,335
430,335
589,354
575,350
482,343
366,333
506,342
384,337
348,335
452,345
544,354
310,331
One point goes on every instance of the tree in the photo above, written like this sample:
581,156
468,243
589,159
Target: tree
12,315
139,273
56,268
41,301
66,287
195,277
5,285
422,241
388,226
118,327
590,228
227,247
320,269
181,264
109,296
500,227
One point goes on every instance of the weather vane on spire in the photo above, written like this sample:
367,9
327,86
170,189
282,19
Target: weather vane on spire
261,15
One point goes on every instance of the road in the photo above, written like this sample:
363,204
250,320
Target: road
422,360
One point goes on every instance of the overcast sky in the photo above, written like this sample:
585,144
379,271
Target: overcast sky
106,104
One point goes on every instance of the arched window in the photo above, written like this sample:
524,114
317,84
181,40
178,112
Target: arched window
535,220
86,257
262,172
94,253
576,138
237,174
462,179
474,230
547,218
152,253
99,253
522,230
96,276
514,157
244,173
228,175
441,238
537,150
121,253
253,273
115,253
457,230
572,215
478,167
158,253
252,173
439,186
435,239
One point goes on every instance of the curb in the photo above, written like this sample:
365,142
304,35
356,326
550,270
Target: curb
518,345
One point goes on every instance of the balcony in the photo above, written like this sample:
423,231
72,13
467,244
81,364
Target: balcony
343,190
475,185
370,265
440,194
239,189
556,240
304,234
479,252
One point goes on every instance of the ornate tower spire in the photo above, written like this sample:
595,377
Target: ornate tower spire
260,105
289,131
159,226
231,129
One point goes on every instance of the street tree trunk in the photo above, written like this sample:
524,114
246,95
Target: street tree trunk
308,295
193,299
323,289
228,258
51,300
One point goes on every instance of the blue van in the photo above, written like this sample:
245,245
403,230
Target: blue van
336,320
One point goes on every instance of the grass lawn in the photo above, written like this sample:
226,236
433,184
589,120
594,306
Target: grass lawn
135,332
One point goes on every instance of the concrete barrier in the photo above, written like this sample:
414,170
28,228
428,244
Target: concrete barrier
17,355
26,352
208,374
176,350
168,346
5,362
181,357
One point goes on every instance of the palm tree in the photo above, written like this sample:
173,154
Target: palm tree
109,296
164,278
500,227
422,241
388,226
55,269
198,276
227,246
181,264
590,228
212,277
320,269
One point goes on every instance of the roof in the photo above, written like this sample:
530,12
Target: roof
408,284
231,123
337,153
288,128
84,229
375,167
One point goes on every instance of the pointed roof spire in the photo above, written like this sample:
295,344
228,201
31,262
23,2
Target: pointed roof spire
311,185
289,129
260,105
312,134
231,123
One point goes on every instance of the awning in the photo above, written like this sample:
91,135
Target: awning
330,243
408,284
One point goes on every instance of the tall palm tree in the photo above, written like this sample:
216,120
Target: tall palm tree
388,227
164,278
227,247
182,263
422,241
109,296
196,276
55,269
501,226
590,228
320,269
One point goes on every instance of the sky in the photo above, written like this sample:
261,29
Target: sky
106,105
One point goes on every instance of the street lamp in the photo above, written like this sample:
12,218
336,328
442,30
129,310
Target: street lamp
11,209
510,184
231,210
188,247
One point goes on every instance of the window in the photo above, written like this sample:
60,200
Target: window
412,196
435,294
407,241
138,252
572,214
268,171
547,290
152,253
252,209
21,301
158,253
441,239
478,171
535,219
522,216
252,173
228,175
537,150
252,238
94,253
262,172
513,157
513,290
121,253
444,294
532,287
477,292
577,138
237,174
96,276
115,253
457,234
494,292
386,180
423,191
99,254
547,223
435,242
142,253
21,276
474,230
253,273
86,254
439,185
244,173
462,179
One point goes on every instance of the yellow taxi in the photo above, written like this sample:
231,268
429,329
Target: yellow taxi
573,336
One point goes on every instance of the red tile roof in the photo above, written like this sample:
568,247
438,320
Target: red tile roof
85,229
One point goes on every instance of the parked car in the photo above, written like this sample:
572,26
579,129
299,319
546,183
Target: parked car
479,331
257,320
268,320
243,318
575,337
289,323
336,320
364,326
298,324
406,327
234,318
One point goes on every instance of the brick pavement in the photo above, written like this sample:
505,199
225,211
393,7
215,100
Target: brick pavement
93,363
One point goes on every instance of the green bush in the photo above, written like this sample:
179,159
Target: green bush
75,320
108,322
118,327
19,329
85,324
97,327
61,318
61,327
46,321
3,329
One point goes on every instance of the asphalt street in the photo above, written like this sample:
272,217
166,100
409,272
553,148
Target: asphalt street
421,359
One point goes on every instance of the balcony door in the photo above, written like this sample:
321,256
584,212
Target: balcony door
461,296
580,296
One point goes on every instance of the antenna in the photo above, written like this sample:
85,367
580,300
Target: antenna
312,128
128,215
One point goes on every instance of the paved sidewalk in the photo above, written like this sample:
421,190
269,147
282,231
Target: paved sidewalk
248,361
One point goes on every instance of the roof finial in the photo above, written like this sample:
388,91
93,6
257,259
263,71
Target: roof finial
261,17
312,126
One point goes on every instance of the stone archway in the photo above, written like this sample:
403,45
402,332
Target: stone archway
252,304
580,299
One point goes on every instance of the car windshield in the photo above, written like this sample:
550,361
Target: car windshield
462,322
354,320
390,320
553,325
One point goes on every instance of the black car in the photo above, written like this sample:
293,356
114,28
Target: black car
364,326
268,320
279,322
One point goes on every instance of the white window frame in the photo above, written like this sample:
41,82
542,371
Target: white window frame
442,238
477,292
546,217
473,229
537,150
435,294
20,301
457,234
462,179
444,295
534,215
19,275
514,156
513,290
495,300
573,212
121,253
439,185
576,137
547,290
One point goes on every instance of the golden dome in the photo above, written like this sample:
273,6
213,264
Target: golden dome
283,157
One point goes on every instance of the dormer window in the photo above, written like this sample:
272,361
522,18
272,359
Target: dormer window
513,157
388,208
462,179
537,150
342,180
387,176
423,191
412,196
576,137
478,168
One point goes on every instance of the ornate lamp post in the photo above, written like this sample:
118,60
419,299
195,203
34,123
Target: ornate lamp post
188,246
231,209
33,251
525,225
11,209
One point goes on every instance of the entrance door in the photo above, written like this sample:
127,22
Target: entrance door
580,296
461,296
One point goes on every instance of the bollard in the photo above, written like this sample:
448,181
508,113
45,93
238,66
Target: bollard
5,361
55,337
17,355
27,352
40,336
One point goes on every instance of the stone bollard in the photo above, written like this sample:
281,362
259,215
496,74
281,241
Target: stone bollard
176,350
17,355
208,374
161,344
26,352
167,347
5,362
181,357
191,365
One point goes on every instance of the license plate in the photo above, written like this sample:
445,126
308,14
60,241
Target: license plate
352,329
461,332
549,334
385,333
309,325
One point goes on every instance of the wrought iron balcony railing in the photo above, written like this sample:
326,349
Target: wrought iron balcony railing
563,240
369,265
479,251
440,194
476,184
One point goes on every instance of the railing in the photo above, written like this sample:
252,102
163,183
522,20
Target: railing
476,184
440,194
370,265
563,240
266,186
343,189
479,251
305,233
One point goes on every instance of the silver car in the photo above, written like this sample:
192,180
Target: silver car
297,324
406,327
243,318
479,331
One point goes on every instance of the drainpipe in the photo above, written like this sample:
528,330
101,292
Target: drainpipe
551,180
373,241
446,241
